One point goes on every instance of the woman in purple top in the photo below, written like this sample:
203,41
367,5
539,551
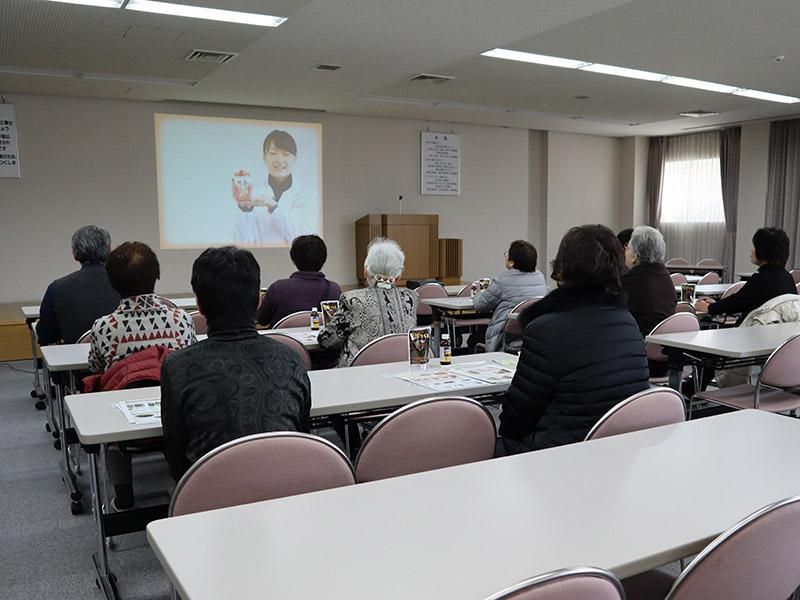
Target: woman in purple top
305,288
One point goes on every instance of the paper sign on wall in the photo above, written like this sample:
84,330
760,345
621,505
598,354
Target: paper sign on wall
440,173
9,149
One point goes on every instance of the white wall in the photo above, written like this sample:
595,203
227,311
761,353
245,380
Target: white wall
583,183
633,182
752,203
93,161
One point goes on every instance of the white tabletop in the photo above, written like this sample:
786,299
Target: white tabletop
711,289
745,275
736,342
333,391
626,503
693,278
463,303
32,312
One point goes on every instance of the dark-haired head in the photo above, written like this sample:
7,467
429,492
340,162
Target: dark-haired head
624,236
133,269
590,255
308,252
226,282
771,246
523,255
282,140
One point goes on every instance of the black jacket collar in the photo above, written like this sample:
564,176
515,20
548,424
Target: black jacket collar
572,297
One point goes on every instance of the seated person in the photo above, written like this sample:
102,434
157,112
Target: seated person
651,293
521,281
141,321
582,352
236,382
368,313
305,288
770,253
71,304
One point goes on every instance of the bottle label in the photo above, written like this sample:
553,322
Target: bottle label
447,356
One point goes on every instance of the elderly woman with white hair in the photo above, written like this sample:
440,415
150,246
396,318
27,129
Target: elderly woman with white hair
368,313
651,293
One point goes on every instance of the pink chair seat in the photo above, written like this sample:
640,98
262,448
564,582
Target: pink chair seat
294,344
652,407
743,397
388,348
580,583
429,291
709,279
300,318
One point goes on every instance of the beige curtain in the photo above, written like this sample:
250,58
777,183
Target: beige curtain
783,183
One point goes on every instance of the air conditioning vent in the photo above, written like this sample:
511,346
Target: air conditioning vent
431,77
211,56
324,67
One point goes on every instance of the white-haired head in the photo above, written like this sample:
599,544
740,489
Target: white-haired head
647,245
385,260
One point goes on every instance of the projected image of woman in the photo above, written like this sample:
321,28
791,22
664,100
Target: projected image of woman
277,210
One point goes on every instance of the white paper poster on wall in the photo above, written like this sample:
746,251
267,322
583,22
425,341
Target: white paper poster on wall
440,173
9,148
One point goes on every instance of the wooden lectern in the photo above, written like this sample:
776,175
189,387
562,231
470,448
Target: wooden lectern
418,236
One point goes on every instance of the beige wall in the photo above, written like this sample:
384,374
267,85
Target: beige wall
752,190
633,182
93,161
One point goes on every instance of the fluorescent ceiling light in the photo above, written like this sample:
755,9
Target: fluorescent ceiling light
539,59
8,70
103,3
701,85
568,63
199,12
623,72
766,96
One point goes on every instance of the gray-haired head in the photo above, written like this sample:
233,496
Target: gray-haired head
384,258
90,244
647,245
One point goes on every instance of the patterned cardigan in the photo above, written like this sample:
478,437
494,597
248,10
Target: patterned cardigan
367,314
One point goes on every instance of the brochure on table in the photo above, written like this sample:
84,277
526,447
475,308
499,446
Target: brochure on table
141,412
468,375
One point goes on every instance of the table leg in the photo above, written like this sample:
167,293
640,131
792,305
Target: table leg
106,580
436,337
675,360
37,392
51,424
63,444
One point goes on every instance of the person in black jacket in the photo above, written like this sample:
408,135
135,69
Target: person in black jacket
770,253
582,352
650,291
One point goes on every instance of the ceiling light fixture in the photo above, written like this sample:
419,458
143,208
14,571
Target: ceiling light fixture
9,70
102,3
568,63
200,12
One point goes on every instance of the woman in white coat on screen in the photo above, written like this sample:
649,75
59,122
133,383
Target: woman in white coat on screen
277,210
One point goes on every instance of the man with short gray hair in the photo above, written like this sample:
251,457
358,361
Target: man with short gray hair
72,303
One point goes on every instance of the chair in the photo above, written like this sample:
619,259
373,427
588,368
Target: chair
756,558
167,302
732,290
294,344
779,373
85,338
200,323
428,290
798,288
392,347
709,262
685,307
261,467
795,273
512,329
428,434
709,279
727,320
678,279
677,262
578,583
301,318
453,323
653,407
677,323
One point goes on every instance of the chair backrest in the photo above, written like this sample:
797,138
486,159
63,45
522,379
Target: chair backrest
578,583
428,434
301,318
709,279
685,307
200,323
85,338
512,327
294,344
795,275
798,288
781,370
733,289
392,347
465,292
261,467
677,323
678,279
675,262
651,408
429,290
756,558
709,262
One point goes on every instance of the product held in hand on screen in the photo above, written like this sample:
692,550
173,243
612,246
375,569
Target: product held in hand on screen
419,345
328,308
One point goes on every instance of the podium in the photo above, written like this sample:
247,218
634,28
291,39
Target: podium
418,236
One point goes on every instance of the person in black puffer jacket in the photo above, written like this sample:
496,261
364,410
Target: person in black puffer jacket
582,351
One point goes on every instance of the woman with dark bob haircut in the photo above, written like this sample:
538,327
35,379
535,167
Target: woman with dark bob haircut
770,253
582,352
